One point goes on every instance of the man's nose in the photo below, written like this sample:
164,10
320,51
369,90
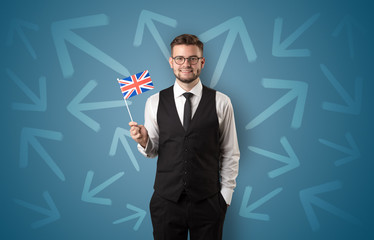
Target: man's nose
186,63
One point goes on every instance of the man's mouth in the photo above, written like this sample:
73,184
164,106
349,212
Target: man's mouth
185,70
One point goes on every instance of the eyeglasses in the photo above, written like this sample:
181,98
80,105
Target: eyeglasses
180,60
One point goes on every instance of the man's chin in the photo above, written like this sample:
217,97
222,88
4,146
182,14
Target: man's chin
186,80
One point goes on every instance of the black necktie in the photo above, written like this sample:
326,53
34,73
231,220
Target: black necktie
187,110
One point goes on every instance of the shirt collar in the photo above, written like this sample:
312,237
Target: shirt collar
196,90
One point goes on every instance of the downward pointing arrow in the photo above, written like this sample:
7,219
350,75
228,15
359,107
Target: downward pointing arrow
146,19
28,137
280,49
62,32
140,213
353,151
52,213
76,108
89,195
40,104
120,136
298,90
236,27
352,106
247,211
16,27
308,198
292,161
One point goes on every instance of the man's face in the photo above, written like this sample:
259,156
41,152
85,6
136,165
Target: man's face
186,72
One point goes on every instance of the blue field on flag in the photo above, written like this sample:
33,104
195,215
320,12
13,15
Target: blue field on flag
135,84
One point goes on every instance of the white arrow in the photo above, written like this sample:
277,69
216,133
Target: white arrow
120,136
40,103
349,22
353,151
16,27
247,211
353,106
298,90
280,49
62,33
89,195
52,213
308,198
236,27
76,108
291,160
140,214
146,18
28,137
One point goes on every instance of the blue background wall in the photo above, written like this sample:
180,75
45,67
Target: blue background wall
299,74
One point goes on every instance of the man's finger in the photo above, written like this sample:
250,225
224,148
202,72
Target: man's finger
133,124
134,130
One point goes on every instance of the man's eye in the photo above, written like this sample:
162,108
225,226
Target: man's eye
193,58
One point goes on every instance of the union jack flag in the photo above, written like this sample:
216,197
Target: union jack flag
135,84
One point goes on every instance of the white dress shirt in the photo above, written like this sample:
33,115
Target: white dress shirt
228,139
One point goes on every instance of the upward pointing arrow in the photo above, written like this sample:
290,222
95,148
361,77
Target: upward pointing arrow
308,198
16,27
28,137
120,136
76,108
353,106
298,90
280,49
52,213
62,32
349,22
40,103
146,18
236,27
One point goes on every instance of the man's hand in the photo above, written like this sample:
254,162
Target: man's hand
139,133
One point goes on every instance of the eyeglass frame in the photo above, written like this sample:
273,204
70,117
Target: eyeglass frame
189,59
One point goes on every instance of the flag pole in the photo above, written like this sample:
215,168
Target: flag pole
127,106
128,110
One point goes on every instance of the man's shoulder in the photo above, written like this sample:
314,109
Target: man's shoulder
220,96
223,101
154,97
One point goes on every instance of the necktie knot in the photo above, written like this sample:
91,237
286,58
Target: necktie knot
187,95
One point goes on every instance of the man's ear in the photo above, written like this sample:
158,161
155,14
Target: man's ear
171,62
202,61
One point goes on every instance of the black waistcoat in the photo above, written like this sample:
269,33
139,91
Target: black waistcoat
188,160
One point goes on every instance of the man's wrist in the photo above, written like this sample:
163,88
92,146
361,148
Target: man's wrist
227,194
144,143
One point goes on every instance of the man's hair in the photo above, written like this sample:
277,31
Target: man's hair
187,39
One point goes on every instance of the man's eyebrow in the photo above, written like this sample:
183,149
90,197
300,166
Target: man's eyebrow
187,57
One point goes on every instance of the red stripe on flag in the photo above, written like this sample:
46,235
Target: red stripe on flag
136,84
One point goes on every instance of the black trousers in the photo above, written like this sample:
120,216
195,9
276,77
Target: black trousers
203,219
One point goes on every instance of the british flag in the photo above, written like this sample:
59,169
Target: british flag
135,84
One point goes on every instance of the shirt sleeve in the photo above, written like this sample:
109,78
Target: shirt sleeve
230,153
150,123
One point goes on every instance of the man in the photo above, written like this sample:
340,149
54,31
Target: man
192,130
